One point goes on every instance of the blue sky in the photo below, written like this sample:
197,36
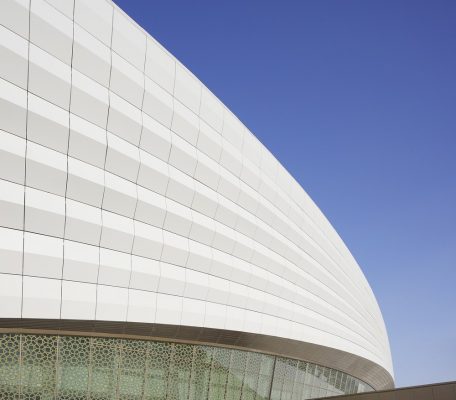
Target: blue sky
357,99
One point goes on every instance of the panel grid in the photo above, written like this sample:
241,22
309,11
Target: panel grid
70,95
127,176
65,203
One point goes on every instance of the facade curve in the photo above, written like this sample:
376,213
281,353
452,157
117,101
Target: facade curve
137,210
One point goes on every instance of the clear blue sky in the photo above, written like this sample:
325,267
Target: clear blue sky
357,99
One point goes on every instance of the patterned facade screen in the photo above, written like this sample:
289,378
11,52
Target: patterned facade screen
73,368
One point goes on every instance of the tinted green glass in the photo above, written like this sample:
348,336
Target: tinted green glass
49,367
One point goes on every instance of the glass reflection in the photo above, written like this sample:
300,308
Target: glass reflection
74,368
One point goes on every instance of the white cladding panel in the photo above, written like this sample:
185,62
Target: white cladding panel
129,192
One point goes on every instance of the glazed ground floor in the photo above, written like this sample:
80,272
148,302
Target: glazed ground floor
42,367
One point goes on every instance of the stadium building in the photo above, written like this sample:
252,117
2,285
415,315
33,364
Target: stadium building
150,246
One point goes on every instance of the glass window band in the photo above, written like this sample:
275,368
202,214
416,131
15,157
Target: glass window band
76,367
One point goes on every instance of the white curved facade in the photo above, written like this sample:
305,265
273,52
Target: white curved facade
129,192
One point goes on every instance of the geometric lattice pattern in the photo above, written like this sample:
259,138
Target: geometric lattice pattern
45,367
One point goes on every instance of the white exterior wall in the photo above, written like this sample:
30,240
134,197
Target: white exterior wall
129,192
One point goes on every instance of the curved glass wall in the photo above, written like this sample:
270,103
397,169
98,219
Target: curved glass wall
73,368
